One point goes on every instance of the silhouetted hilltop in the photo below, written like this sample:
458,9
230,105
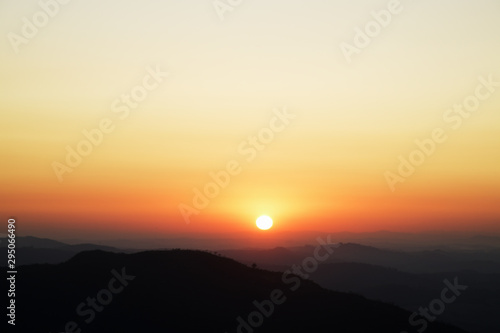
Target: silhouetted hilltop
278,255
42,243
187,291
34,250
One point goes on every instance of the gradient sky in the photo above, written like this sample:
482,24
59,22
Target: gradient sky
324,171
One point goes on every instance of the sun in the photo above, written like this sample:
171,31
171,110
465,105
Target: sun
264,222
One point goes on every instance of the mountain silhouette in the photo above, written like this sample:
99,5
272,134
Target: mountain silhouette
189,291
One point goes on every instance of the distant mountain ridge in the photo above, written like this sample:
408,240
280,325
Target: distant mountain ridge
34,250
486,261
381,239
188,291
41,243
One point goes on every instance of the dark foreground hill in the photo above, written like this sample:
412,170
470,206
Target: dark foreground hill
476,309
189,291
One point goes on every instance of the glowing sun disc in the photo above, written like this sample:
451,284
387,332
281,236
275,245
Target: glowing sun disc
264,222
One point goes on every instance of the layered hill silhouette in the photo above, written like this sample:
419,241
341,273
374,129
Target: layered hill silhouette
189,291
33,250
407,279
476,309
485,261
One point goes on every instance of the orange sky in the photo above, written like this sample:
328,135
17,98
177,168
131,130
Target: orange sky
154,97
